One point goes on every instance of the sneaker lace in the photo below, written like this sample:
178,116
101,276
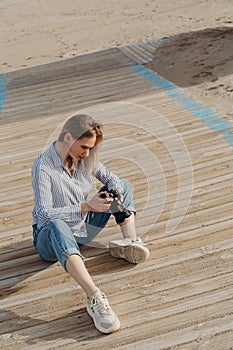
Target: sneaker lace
137,241
101,305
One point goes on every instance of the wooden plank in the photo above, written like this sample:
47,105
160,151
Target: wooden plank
182,296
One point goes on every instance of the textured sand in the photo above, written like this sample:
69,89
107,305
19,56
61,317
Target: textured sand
196,56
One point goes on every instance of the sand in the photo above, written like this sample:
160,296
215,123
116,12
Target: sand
197,54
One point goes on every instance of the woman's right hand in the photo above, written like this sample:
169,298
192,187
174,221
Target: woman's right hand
99,204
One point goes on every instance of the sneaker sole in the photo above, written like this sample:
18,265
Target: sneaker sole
134,254
114,328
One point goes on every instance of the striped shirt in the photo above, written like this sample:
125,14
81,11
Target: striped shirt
58,195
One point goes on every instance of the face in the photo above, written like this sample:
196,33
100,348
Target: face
80,148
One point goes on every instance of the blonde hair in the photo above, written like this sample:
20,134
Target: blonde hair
80,126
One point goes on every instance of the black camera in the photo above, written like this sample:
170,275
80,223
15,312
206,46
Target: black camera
114,194
117,207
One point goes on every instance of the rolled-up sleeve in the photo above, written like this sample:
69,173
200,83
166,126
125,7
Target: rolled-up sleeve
108,178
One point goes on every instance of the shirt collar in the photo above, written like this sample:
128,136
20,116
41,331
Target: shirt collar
55,158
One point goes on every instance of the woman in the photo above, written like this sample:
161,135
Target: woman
64,217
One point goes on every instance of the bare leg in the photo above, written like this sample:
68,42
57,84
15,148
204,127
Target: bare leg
77,269
128,227
98,307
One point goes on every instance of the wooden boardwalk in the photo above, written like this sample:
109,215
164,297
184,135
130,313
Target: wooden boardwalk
177,156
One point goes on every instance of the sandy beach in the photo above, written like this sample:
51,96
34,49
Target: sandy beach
197,54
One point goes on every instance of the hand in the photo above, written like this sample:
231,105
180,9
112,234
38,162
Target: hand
98,204
121,198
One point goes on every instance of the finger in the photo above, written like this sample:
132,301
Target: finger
108,199
103,192
105,200
105,207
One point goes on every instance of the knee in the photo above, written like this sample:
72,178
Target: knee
125,185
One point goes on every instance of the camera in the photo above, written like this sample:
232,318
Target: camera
111,194
117,207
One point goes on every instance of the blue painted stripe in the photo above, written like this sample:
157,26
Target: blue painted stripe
3,82
205,114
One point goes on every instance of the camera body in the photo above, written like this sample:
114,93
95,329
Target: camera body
114,194
117,207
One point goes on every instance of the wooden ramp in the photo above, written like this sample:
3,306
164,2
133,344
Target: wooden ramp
177,156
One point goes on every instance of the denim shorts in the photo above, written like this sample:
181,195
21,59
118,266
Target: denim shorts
55,241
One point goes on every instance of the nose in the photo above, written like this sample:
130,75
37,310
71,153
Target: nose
85,153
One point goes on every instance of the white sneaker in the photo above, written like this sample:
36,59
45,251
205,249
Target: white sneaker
105,320
131,250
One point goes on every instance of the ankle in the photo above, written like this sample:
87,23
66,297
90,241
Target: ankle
130,236
91,293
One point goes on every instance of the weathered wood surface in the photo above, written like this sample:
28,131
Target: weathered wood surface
181,174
